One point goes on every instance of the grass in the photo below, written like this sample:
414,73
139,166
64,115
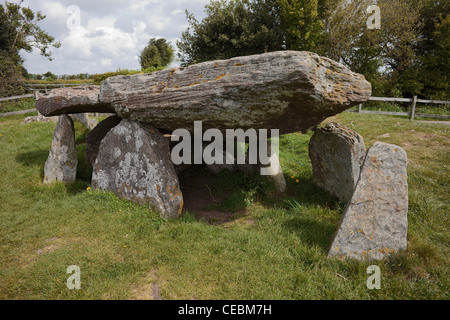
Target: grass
276,250
16,105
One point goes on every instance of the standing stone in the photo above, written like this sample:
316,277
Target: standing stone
337,154
215,168
134,162
272,169
84,119
96,135
375,222
61,164
40,118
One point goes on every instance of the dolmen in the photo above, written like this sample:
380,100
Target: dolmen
130,151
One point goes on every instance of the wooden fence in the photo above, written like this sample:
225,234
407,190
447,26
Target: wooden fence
36,88
414,101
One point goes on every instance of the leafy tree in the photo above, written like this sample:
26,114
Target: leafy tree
429,74
50,76
375,53
232,28
158,53
435,64
19,30
11,80
302,24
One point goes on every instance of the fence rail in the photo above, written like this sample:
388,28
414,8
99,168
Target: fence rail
411,114
56,84
17,97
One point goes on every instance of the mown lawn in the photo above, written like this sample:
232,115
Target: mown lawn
275,249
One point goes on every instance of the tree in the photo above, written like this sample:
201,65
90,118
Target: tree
244,27
372,52
232,28
50,76
301,24
158,53
429,76
19,30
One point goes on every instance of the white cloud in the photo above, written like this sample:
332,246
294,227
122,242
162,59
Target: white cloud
54,9
106,62
111,34
77,44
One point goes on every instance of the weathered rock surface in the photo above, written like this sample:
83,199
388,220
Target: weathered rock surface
80,99
375,223
40,118
62,161
134,162
96,135
287,90
337,154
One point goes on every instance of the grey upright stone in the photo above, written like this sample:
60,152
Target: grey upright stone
337,154
84,119
96,135
134,162
61,164
272,168
375,222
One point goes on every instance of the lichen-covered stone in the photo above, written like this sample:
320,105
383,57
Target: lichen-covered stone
80,99
96,135
62,161
337,154
134,162
375,223
286,90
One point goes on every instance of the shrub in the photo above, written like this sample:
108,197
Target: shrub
11,80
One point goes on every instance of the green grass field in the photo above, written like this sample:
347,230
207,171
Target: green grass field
274,248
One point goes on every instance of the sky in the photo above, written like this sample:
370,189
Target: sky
99,36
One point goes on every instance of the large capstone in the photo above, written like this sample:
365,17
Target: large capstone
134,162
71,100
61,164
375,223
337,154
286,90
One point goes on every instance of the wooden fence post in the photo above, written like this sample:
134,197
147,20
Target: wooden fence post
359,107
413,107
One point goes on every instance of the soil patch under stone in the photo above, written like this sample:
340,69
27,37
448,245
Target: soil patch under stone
196,184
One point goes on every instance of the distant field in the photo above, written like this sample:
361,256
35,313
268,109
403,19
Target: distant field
60,81
268,247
